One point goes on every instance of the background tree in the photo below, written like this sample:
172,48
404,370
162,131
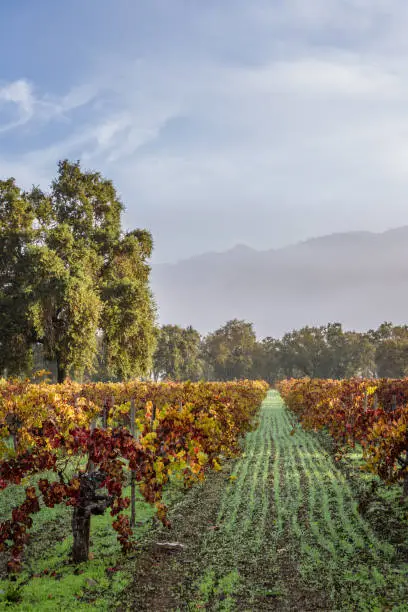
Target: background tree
305,352
361,355
192,353
230,350
352,353
338,345
391,353
322,352
267,360
178,354
83,276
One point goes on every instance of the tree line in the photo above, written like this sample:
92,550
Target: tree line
328,351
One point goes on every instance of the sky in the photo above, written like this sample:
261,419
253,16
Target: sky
260,122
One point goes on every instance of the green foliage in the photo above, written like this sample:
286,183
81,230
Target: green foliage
230,350
16,234
289,535
327,351
324,352
178,354
128,312
50,582
68,275
317,352
218,596
392,351
336,548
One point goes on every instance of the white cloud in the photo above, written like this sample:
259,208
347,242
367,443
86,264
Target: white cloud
18,93
310,138
29,106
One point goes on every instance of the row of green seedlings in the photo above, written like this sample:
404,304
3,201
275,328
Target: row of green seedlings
339,531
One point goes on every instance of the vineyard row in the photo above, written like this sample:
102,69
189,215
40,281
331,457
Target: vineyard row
95,439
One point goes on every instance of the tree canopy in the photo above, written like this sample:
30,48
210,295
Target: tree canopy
318,352
391,352
230,350
178,354
69,273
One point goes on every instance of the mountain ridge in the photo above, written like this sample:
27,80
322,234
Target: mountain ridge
359,278
241,247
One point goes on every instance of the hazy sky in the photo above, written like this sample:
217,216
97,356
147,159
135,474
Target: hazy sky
220,121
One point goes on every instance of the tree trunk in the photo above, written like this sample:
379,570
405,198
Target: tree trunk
405,487
61,372
405,483
89,503
81,525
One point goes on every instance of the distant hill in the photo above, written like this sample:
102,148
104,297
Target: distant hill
357,278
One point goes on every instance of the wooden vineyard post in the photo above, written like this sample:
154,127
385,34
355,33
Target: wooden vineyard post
13,425
375,403
153,416
353,419
90,467
133,476
393,403
105,414
350,419
405,483
365,401
343,405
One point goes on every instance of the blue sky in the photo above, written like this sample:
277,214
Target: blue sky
220,121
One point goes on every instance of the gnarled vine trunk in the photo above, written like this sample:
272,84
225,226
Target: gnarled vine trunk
405,486
81,529
88,503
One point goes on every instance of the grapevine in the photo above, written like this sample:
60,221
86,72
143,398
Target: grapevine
183,429
373,413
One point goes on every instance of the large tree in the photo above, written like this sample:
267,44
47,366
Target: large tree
70,273
16,235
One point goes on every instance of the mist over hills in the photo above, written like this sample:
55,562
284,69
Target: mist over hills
357,278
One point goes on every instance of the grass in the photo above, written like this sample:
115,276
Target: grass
339,551
49,581
239,554
290,532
